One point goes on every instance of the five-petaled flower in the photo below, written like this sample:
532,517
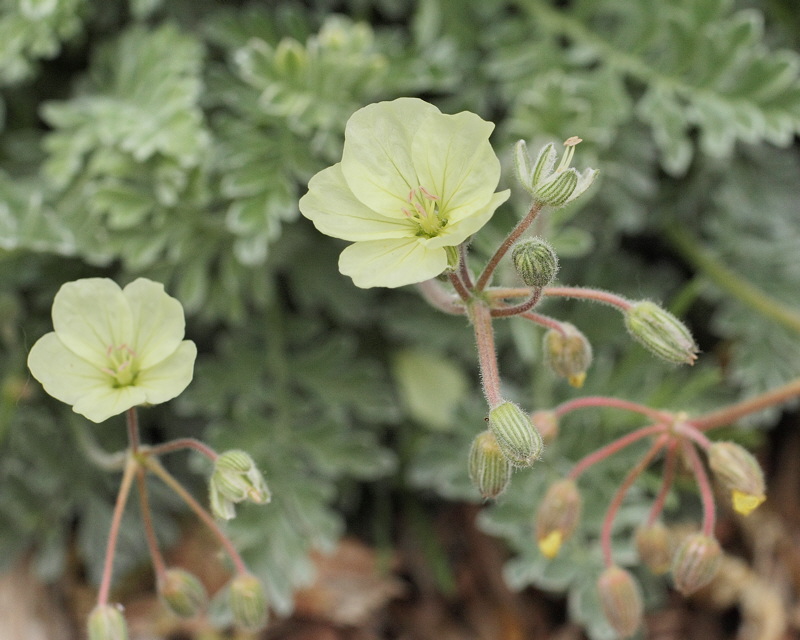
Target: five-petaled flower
113,349
412,182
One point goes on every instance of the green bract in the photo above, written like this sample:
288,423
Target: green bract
112,348
411,182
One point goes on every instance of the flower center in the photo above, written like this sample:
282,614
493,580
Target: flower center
121,364
423,210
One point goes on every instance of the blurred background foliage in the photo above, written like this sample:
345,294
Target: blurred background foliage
172,140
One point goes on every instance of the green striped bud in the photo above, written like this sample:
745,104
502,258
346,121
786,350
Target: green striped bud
653,546
489,469
235,479
248,602
546,423
106,622
519,441
621,600
182,593
535,262
661,333
695,563
557,189
558,516
739,473
568,353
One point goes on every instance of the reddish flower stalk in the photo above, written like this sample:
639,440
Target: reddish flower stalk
487,357
180,444
585,293
613,447
667,478
740,409
159,566
616,502
704,485
614,403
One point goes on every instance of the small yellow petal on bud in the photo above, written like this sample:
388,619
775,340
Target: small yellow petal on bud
653,546
621,600
557,516
745,503
106,622
489,469
516,436
739,473
248,602
568,353
695,563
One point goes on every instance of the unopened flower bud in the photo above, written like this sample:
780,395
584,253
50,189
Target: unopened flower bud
558,516
621,600
654,549
738,472
489,470
557,190
695,563
248,602
535,262
235,479
546,423
182,593
661,333
568,353
519,441
106,622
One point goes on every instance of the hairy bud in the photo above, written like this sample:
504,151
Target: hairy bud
661,333
182,593
653,546
489,469
248,602
546,423
106,622
558,516
568,353
695,563
235,479
621,600
535,262
738,472
519,441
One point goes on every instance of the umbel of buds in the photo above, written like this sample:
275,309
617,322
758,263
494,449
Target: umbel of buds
535,262
621,600
107,623
652,543
695,563
182,593
661,333
558,516
519,441
248,602
568,353
489,470
235,479
739,473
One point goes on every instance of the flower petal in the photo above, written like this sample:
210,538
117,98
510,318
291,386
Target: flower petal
456,232
391,263
336,212
101,403
91,315
64,375
158,322
170,377
376,160
454,160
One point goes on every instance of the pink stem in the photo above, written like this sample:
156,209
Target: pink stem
183,443
518,309
613,447
706,493
693,433
544,321
119,508
668,477
740,409
608,521
463,267
458,285
589,294
615,403
132,420
487,357
437,297
152,542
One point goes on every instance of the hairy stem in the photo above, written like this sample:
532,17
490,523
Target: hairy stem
132,420
183,443
441,299
614,403
732,413
613,447
481,319
149,532
704,485
667,478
